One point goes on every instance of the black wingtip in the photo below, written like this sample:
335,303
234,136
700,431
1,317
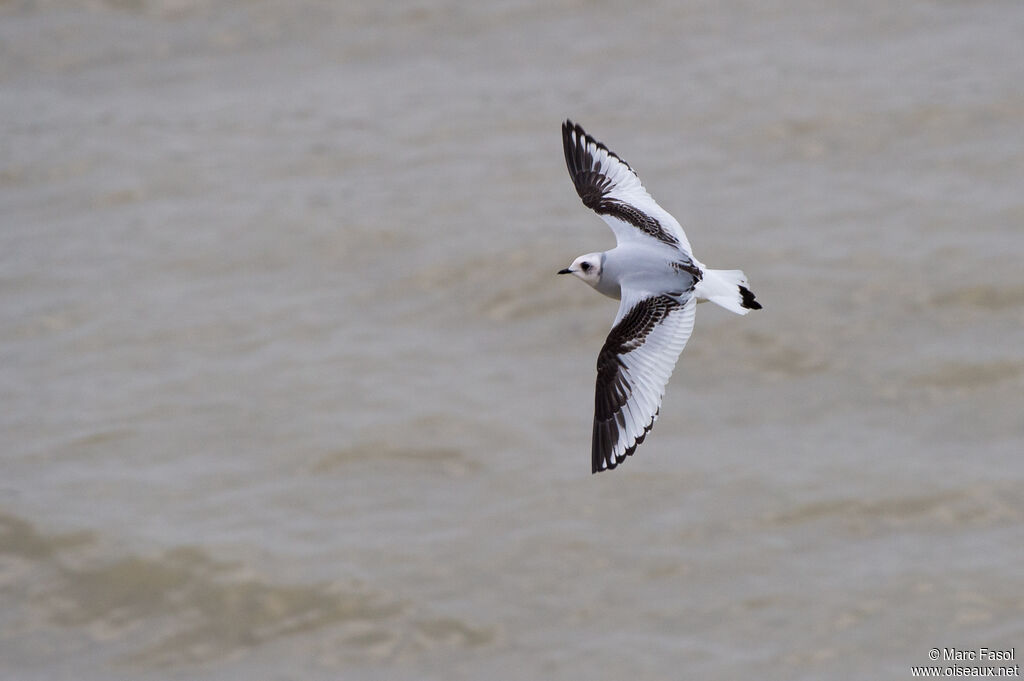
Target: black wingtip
568,127
748,299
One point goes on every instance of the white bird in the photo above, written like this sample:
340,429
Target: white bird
653,273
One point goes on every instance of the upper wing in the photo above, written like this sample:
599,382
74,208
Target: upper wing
633,369
612,189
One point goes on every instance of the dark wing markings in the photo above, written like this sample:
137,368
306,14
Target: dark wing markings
593,186
613,389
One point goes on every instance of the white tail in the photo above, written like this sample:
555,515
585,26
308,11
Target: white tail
727,288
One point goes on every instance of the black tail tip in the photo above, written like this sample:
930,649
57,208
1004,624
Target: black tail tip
748,299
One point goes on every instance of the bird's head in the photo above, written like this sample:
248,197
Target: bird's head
586,267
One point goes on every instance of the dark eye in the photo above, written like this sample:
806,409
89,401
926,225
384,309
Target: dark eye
585,266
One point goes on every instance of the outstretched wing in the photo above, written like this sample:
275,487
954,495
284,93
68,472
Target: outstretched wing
612,189
633,369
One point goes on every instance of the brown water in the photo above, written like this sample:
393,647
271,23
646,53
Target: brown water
290,389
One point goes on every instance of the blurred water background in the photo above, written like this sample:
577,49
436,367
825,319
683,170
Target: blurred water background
290,389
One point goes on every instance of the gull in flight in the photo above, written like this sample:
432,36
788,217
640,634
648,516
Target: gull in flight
653,273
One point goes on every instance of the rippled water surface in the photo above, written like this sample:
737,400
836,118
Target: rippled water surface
290,389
